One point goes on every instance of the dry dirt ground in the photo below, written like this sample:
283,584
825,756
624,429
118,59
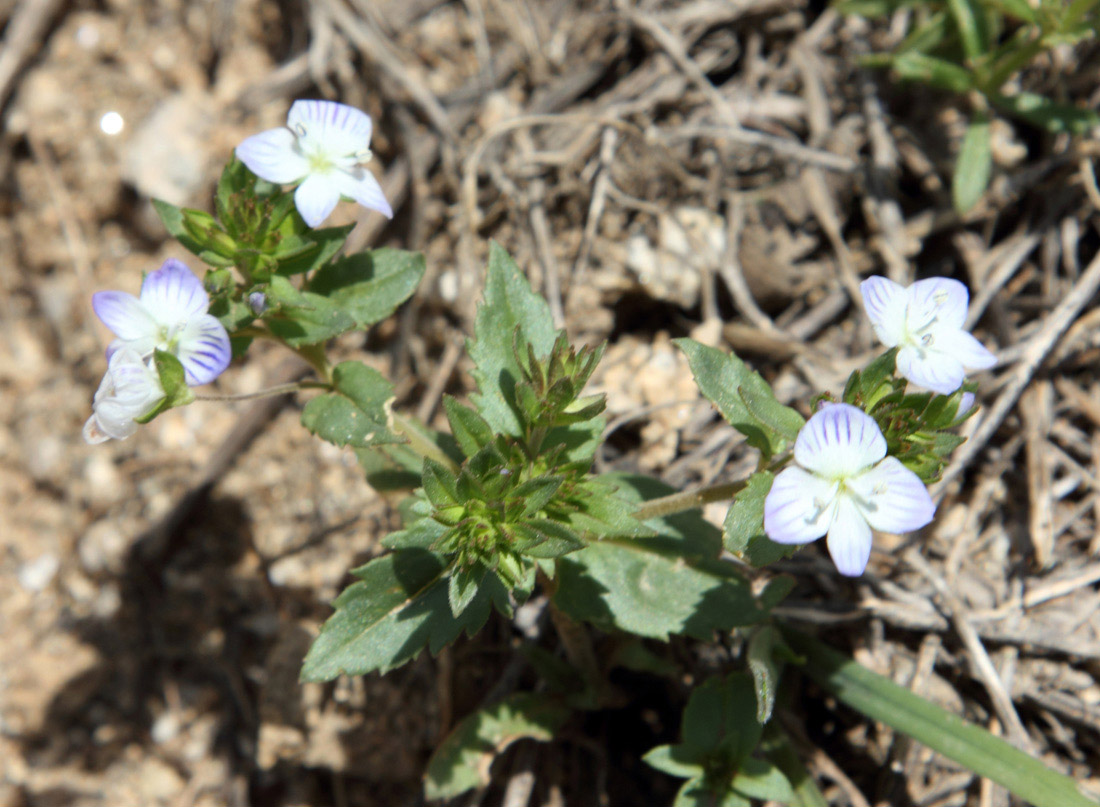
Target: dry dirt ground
715,167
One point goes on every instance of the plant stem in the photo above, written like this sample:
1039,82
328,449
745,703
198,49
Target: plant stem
420,442
315,356
270,392
688,500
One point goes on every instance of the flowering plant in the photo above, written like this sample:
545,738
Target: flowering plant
504,509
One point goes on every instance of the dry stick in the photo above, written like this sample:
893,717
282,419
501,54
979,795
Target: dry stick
23,35
981,665
733,274
993,279
1036,410
540,228
608,142
1036,349
779,146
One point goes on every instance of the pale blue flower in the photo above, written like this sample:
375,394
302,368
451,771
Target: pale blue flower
844,486
171,315
925,321
129,390
323,147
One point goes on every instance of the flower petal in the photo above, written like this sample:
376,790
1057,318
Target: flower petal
359,184
330,128
204,350
885,301
173,294
967,350
124,314
937,298
316,198
129,389
892,498
799,507
273,155
936,371
839,441
849,539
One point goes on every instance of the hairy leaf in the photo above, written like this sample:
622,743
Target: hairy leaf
974,166
462,760
370,285
743,531
355,413
762,780
303,318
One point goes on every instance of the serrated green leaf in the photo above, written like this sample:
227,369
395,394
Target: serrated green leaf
356,412
370,285
673,583
743,530
543,538
325,243
667,759
303,318
398,607
728,382
441,485
764,671
468,427
537,493
509,304
762,780
462,586
462,760
974,166
421,534
597,508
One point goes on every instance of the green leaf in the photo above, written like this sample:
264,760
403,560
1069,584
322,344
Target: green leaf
881,699
462,760
370,285
974,166
468,427
536,493
762,780
913,66
970,20
743,531
667,759
1020,9
765,672
720,721
301,317
509,304
390,467
462,586
326,242
172,218
544,538
700,793
356,412
421,534
672,583
441,485
743,397
399,605
173,380
1050,115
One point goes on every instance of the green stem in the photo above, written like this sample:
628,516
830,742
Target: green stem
420,442
693,499
778,748
315,356
270,392
881,699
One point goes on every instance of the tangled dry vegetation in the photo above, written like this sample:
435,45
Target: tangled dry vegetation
715,167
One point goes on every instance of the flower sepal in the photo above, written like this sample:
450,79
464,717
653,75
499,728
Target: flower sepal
173,379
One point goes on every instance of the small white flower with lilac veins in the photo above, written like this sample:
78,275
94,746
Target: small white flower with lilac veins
170,315
844,486
926,321
323,147
130,389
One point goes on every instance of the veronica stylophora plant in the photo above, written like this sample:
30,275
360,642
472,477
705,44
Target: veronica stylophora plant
323,147
844,486
130,390
925,321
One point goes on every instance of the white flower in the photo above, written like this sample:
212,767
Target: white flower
844,487
130,389
926,321
323,148
170,315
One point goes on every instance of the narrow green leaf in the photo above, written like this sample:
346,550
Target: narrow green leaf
974,166
762,780
421,534
543,538
174,383
324,244
777,748
729,383
462,760
881,699
399,605
356,412
666,759
969,19
743,530
537,493
720,721
700,793
913,66
462,586
1020,9
509,304
303,318
765,672
172,218
1050,115
673,583
440,485
370,285
468,427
